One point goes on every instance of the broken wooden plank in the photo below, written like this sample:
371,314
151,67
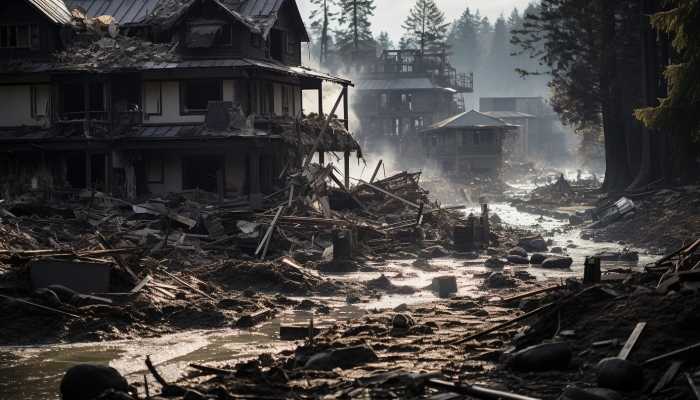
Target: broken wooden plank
691,384
40,306
377,188
326,124
268,235
682,352
668,376
478,392
141,284
212,370
531,293
376,170
182,281
632,340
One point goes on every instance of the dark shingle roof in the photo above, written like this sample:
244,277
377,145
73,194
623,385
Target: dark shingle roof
470,119
258,14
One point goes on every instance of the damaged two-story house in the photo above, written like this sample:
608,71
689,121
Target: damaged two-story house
404,91
139,97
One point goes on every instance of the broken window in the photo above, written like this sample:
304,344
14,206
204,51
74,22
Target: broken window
278,44
225,36
96,96
203,172
73,99
23,36
205,34
195,95
40,101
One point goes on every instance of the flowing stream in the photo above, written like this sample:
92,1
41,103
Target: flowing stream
34,372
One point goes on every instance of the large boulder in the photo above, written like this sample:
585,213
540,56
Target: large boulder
497,280
87,381
542,357
537,258
534,243
518,251
344,358
516,259
618,374
494,262
557,262
338,266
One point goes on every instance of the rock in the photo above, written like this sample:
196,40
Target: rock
402,321
338,266
557,250
542,357
81,300
625,255
574,393
492,251
462,304
383,283
403,307
434,252
524,275
87,381
518,251
515,259
494,262
618,374
571,246
498,280
444,285
536,243
421,263
557,262
345,358
537,258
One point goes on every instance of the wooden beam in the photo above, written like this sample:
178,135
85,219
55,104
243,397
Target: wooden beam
632,340
682,352
668,376
376,170
323,131
410,203
346,158
345,107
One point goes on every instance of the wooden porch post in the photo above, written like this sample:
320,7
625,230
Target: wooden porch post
321,154
345,107
88,169
347,169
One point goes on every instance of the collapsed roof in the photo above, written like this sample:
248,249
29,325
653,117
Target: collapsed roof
55,10
258,15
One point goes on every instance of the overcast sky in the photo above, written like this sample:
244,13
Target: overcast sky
390,14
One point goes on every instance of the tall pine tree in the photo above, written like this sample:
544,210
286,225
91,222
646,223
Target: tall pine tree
425,26
464,41
354,33
321,19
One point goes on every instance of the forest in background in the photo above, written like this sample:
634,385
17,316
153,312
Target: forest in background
624,72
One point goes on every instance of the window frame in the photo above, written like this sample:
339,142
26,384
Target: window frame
151,161
183,95
32,33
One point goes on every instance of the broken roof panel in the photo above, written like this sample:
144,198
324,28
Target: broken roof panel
470,119
55,10
124,11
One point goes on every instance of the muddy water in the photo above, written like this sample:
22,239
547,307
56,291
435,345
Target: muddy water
34,373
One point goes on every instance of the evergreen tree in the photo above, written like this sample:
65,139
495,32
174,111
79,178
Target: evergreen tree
425,25
384,41
354,32
404,43
321,18
464,41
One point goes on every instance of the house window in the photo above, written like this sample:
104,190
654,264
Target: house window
22,36
383,100
195,95
40,101
477,138
155,170
153,98
97,96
